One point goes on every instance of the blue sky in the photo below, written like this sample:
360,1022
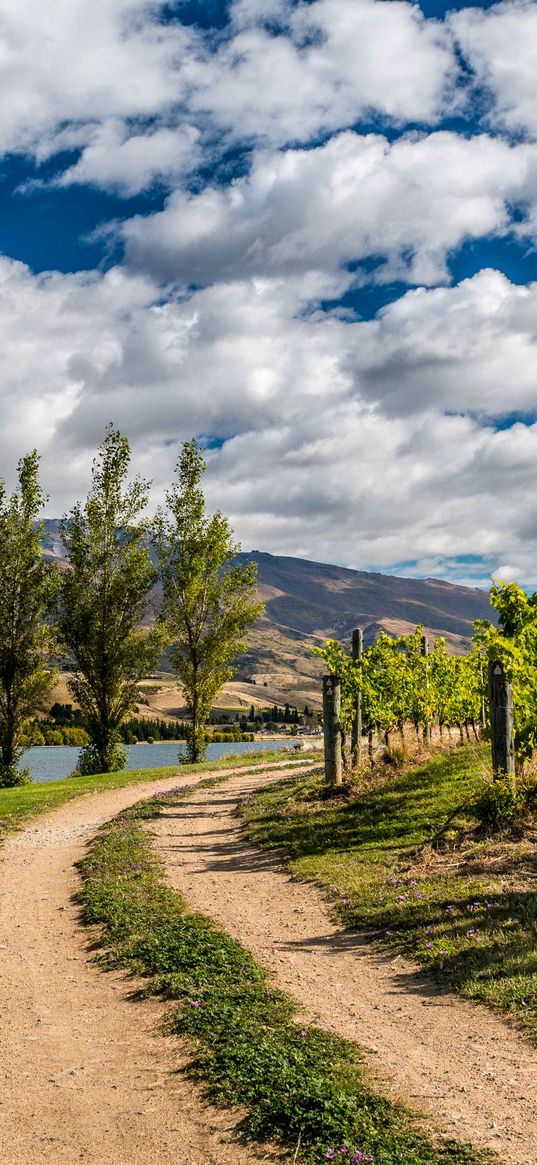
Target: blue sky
302,229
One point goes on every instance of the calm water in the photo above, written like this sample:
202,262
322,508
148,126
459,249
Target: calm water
51,762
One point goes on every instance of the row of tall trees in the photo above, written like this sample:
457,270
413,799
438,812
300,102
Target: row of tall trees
94,616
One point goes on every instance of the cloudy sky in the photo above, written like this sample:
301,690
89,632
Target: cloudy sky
304,231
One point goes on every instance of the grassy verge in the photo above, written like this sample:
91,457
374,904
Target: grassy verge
303,1089
405,860
19,804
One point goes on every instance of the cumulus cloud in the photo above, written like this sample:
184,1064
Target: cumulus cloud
408,203
500,45
333,62
329,451
128,163
81,61
86,72
469,348
380,492
363,442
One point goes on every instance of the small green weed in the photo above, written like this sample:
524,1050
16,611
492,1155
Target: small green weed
301,1087
503,802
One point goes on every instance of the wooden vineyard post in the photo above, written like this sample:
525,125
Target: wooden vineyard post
425,653
333,759
501,721
483,711
356,739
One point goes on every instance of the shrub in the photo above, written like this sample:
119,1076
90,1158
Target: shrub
53,736
499,803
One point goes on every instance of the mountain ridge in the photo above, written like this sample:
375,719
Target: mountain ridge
308,602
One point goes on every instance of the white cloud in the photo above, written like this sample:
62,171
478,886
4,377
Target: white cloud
470,348
410,203
500,45
335,62
71,68
333,452
115,160
81,61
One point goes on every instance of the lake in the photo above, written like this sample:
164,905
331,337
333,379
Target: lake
52,762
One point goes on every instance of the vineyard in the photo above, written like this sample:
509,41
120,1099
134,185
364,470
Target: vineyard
395,684
398,683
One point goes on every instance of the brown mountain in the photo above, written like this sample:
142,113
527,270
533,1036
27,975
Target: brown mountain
314,598
308,602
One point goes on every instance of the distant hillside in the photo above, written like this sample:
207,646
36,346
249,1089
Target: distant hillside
307,602
314,598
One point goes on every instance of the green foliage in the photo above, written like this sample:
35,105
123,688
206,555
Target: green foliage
470,922
26,589
208,603
501,802
303,1088
102,601
46,732
514,643
398,683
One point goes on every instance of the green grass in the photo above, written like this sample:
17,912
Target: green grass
405,862
19,804
301,1088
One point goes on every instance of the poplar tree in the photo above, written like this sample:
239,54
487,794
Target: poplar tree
208,600
103,600
26,588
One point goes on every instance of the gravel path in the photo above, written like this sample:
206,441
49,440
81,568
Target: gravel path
82,1076
448,1058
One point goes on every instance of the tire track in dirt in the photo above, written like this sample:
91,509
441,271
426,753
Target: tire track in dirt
82,1076
452,1060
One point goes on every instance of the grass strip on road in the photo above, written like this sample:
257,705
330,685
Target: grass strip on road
19,804
301,1087
406,861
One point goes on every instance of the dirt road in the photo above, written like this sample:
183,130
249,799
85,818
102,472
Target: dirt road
454,1060
83,1076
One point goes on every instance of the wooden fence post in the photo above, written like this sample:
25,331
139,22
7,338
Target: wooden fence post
501,721
425,653
483,709
356,739
333,760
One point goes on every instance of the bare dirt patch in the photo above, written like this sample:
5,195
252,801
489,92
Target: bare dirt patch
465,1068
